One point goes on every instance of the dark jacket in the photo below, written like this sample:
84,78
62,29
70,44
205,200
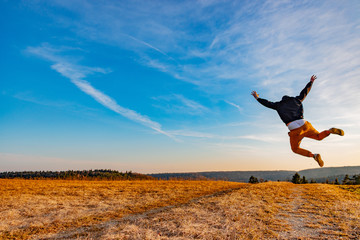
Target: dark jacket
289,108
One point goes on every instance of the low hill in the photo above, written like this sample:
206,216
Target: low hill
317,174
329,171
234,176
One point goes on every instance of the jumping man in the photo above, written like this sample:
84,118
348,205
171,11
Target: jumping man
290,110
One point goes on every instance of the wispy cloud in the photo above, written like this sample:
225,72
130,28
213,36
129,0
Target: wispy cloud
190,103
262,138
189,133
77,73
234,105
29,97
234,148
148,45
227,138
177,103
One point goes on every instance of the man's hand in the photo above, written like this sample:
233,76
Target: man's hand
255,94
312,79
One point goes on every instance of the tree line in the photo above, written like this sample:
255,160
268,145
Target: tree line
355,180
97,174
297,179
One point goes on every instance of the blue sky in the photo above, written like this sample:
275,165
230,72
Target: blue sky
164,86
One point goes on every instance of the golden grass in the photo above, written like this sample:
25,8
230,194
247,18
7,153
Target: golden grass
351,188
34,207
55,209
329,212
246,213
261,211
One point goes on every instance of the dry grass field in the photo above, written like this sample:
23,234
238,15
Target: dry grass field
55,209
30,208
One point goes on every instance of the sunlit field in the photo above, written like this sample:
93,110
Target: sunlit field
32,207
260,211
57,209
352,188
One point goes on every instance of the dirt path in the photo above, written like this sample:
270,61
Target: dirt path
296,219
320,212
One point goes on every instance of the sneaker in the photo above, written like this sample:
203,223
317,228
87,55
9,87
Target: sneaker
337,131
318,159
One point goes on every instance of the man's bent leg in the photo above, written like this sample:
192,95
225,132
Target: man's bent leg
323,135
302,152
319,136
295,140
311,132
307,130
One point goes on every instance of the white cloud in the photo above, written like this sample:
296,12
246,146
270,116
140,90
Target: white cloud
190,103
217,137
77,73
234,105
262,138
188,133
148,45
177,103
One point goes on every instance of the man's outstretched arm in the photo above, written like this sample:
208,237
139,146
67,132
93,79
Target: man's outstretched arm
307,89
263,102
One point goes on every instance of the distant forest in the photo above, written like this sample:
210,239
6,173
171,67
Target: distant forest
98,174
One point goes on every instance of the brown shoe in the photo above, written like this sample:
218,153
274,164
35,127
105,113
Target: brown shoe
337,131
318,159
